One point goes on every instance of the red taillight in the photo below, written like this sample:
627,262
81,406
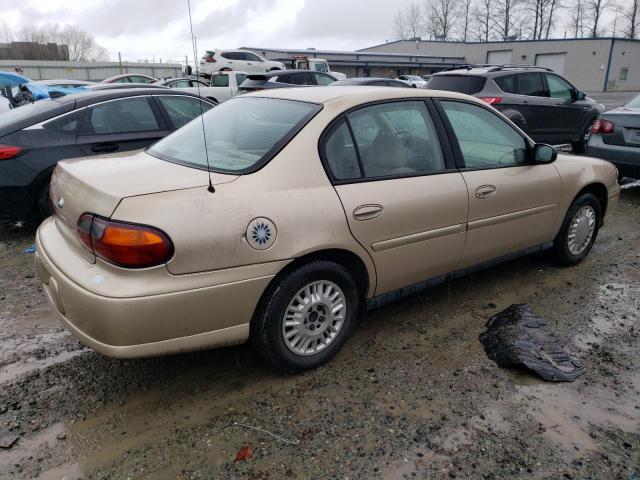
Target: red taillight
124,244
491,100
9,151
602,126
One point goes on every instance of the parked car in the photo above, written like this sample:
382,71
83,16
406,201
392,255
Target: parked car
615,136
305,62
371,82
285,79
413,81
221,86
301,204
12,84
542,103
123,86
65,83
130,78
243,60
33,138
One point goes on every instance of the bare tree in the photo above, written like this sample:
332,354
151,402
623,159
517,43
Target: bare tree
82,46
442,16
483,12
505,12
466,21
400,26
577,18
595,9
414,21
553,5
631,18
6,35
542,12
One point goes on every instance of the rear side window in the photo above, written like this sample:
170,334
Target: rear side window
301,79
122,116
220,80
531,84
396,139
340,153
507,83
67,124
485,139
240,77
468,84
181,110
241,134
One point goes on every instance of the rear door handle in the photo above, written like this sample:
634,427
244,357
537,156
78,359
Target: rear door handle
367,212
486,191
105,147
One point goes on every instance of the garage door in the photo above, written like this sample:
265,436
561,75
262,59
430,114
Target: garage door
499,57
554,61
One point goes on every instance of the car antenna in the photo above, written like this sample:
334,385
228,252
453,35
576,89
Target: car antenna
194,44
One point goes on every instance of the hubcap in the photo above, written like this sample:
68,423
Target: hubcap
314,317
581,230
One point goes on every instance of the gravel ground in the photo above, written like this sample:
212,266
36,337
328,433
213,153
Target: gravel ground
412,394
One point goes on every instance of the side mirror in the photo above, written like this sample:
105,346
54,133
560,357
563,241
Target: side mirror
580,95
543,153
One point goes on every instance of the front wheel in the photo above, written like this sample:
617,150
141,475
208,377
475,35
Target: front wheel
305,318
579,230
580,146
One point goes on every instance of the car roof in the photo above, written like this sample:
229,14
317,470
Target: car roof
484,70
354,95
88,97
124,75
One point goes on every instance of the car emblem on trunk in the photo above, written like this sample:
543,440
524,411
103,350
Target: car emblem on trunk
60,202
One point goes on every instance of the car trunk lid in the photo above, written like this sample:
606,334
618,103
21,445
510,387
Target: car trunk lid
98,184
626,123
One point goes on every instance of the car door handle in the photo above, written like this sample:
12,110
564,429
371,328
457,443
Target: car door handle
367,212
486,191
105,147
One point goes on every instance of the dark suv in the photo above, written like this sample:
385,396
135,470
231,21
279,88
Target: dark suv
542,103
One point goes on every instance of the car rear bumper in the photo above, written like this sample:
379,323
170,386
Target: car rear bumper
625,158
151,324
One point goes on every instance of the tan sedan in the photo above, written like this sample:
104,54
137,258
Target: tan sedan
298,208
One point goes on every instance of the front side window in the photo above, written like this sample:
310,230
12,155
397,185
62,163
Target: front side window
531,84
241,134
240,77
182,110
301,79
220,80
122,116
396,139
559,88
485,139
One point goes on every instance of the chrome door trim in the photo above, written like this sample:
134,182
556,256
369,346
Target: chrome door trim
417,237
485,222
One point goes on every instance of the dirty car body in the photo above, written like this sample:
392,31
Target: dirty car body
320,198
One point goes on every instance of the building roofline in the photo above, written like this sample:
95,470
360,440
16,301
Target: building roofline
320,53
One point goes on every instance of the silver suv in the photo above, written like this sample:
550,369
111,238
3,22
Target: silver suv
542,103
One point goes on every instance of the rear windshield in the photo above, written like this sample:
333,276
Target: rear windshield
468,84
241,134
634,103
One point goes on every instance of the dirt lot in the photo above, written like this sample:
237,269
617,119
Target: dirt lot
411,395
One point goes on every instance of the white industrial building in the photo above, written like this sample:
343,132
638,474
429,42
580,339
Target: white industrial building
592,64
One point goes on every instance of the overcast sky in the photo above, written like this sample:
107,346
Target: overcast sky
147,28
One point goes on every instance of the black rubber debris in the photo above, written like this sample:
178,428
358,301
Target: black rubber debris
518,337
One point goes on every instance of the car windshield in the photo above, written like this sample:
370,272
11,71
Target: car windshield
241,134
633,103
468,84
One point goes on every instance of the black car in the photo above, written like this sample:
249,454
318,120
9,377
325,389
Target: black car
285,79
372,82
542,103
34,137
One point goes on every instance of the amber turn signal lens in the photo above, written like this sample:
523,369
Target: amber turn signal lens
124,244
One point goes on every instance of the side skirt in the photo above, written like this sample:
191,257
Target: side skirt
404,292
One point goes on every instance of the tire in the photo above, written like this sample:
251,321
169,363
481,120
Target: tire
268,327
580,146
44,203
567,253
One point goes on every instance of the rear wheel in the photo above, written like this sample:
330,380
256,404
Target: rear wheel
579,230
44,202
305,318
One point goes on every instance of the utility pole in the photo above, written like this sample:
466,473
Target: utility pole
120,62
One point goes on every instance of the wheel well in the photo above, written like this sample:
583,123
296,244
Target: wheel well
600,192
347,259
